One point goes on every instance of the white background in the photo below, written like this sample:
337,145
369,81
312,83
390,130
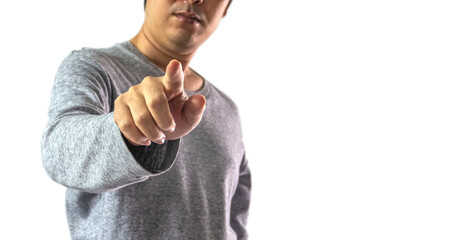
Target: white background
344,106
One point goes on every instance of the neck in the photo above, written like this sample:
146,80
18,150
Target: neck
161,57
157,54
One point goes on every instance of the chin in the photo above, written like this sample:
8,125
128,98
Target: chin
184,50
184,45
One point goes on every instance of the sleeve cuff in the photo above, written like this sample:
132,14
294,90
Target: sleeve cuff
156,158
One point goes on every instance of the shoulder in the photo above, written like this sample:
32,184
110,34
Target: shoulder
223,97
92,55
86,66
81,60
91,60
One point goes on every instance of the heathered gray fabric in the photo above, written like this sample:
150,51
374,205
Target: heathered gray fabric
194,188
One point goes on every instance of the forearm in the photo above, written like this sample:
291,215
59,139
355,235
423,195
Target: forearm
87,152
82,147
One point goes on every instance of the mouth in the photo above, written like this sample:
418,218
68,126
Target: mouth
186,17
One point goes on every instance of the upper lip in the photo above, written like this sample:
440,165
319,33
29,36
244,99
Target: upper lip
189,15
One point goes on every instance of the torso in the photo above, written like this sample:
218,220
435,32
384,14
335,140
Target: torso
193,81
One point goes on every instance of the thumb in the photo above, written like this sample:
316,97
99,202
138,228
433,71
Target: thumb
173,80
193,109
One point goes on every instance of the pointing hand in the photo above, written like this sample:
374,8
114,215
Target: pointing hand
158,109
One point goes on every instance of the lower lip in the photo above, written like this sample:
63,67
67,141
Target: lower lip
186,19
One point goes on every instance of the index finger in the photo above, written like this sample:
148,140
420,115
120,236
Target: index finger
173,80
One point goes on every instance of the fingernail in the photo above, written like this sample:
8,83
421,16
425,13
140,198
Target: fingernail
161,140
147,142
172,128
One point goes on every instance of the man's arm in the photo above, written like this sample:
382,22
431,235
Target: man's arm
82,146
241,202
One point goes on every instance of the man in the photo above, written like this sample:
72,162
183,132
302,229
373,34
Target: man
148,148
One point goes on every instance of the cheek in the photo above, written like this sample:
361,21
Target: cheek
157,11
217,13
156,21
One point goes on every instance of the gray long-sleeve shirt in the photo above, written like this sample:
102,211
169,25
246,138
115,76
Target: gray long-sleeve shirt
194,188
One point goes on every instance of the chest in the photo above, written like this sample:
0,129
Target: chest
212,153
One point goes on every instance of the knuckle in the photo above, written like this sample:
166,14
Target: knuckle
156,102
132,89
149,80
118,100
126,125
141,119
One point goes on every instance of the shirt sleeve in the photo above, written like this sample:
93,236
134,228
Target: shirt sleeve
82,147
241,202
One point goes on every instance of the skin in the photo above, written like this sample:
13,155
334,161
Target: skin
157,109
